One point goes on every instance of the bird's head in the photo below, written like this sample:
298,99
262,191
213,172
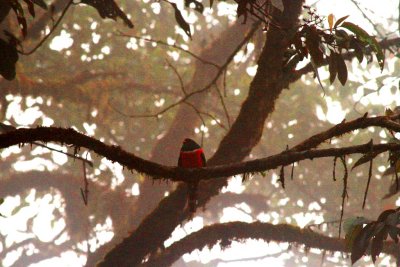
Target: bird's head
189,145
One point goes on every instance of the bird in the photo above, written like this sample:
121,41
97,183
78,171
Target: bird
191,156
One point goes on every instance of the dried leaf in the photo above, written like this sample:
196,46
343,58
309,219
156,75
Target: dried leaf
342,69
181,21
330,21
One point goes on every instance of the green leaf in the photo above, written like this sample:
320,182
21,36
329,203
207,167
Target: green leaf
8,56
365,37
339,21
313,41
108,9
377,243
358,49
342,69
40,3
332,67
361,242
378,52
351,222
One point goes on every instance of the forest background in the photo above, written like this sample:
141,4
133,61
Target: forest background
147,88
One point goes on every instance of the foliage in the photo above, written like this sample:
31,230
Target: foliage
374,233
330,45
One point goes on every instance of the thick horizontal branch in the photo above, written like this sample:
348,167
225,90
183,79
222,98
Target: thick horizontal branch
116,154
233,231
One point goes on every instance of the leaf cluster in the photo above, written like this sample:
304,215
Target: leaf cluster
330,45
374,233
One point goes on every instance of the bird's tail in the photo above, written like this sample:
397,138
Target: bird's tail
192,196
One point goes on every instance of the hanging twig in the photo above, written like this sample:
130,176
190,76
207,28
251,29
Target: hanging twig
334,168
292,172
344,194
85,192
282,177
224,82
369,178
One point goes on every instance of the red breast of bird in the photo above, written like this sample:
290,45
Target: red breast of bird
191,159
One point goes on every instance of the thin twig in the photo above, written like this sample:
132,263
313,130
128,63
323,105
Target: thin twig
65,153
292,172
205,88
85,192
369,179
206,114
334,168
344,194
178,75
221,99
169,45
282,177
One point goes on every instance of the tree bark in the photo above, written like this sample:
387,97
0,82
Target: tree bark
237,144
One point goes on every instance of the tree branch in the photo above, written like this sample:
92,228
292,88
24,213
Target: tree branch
225,233
156,171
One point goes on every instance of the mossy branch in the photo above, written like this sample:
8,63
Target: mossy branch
300,152
225,233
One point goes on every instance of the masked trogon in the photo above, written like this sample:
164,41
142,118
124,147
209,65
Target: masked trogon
191,156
